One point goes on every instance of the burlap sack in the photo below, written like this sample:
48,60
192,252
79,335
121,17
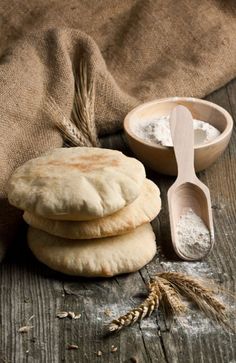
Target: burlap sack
136,50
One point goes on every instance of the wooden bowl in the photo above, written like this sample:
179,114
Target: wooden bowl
161,158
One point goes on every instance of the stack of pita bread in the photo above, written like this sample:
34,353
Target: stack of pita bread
89,210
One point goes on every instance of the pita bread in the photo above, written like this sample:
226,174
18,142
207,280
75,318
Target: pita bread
144,209
96,257
78,183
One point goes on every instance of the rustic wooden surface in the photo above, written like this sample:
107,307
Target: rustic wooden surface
29,288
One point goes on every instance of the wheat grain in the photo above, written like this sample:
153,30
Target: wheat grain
62,314
71,314
25,329
72,347
113,349
78,316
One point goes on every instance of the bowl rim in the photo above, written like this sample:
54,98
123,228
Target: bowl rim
228,129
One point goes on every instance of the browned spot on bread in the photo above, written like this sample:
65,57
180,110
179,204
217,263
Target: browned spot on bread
94,157
87,163
129,224
106,271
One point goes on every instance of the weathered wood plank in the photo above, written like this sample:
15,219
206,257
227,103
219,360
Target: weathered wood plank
28,288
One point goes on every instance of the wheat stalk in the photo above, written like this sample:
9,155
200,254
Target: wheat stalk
137,314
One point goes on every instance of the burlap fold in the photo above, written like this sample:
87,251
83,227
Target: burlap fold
135,50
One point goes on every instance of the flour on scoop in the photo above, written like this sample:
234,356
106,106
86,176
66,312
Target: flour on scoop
193,235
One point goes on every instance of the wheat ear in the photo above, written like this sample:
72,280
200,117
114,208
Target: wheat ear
171,298
67,128
137,314
83,107
80,130
196,291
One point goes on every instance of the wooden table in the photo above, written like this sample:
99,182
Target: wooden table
30,289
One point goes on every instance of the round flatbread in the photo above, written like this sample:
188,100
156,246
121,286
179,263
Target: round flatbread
144,209
96,257
78,183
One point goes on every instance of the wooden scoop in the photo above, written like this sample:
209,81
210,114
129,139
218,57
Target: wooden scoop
187,191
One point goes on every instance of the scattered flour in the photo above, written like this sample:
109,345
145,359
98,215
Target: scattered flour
158,131
199,269
195,323
193,236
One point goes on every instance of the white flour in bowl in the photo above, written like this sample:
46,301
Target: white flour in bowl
157,130
193,236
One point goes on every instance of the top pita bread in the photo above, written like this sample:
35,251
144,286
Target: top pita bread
77,183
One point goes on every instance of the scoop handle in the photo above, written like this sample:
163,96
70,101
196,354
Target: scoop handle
181,127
